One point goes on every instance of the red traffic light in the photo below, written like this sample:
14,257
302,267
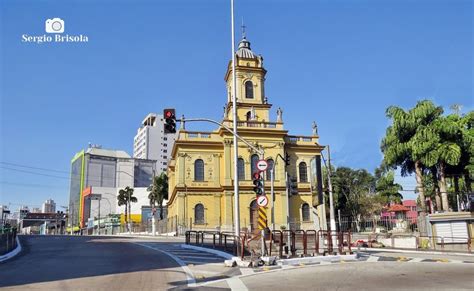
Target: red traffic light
256,176
168,114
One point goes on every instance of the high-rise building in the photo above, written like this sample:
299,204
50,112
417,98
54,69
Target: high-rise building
49,206
106,172
152,144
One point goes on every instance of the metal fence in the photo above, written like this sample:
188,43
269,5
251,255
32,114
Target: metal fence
400,223
283,244
7,241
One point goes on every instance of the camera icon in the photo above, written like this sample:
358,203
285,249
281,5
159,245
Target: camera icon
55,25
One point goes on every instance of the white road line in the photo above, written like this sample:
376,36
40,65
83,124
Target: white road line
200,258
236,284
189,274
415,260
373,259
203,263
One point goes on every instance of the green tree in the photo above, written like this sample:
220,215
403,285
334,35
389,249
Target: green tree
158,191
386,187
438,147
351,189
125,198
401,146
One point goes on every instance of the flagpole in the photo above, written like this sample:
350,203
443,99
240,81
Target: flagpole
234,117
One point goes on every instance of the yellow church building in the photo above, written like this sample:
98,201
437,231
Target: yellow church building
201,168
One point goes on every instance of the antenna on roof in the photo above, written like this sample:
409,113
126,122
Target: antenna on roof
243,28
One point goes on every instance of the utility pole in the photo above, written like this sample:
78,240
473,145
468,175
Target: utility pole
331,198
234,117
153,209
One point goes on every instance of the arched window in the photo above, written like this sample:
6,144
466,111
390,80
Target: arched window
305,212
248,116
249,90
199,170
303,172
253,163
269,169
199,214
241,168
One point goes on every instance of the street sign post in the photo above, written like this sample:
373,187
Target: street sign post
262,165
262,201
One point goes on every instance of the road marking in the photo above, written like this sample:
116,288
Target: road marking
203,263
442,260
187,271
373,259
200,258
236,284
416,260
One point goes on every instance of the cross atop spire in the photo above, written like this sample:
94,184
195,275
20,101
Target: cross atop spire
243,28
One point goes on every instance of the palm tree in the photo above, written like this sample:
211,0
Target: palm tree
125,198
399,146
158,192
388,189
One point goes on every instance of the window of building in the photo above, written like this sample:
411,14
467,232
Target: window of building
305,212
199,214
165,145
199,170
303,172
249,90
165,138
253,163
241,168
165,157
165,151
248,116
269,169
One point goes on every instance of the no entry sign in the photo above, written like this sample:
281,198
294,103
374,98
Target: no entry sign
262,165
262,201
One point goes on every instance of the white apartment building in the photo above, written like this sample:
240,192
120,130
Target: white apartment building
152,144
49,206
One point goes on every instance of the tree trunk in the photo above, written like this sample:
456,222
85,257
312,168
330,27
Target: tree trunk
126,217
436,190
467,181
421,190
442,186
130,212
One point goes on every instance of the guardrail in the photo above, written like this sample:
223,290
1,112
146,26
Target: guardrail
286,243
8,241
222,240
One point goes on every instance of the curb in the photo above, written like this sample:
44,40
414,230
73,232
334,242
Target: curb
212,251
13,253
309,260
414,252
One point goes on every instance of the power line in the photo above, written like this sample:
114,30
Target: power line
34,168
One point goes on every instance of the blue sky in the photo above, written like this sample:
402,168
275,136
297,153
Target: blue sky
340,63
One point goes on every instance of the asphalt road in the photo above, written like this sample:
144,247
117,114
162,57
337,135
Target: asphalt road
92,263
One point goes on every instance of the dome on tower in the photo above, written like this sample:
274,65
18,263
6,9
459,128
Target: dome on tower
244,50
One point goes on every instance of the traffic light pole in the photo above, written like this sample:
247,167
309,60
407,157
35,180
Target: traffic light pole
260,151
331,198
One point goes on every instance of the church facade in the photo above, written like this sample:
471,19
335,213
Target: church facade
201,191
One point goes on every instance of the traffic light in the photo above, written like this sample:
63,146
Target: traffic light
170,121
293,186
287,159
258,183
